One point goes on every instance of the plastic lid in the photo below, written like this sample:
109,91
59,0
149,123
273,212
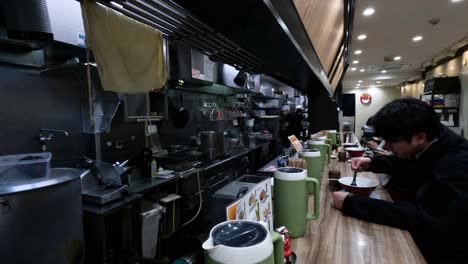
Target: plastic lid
239,234
289,170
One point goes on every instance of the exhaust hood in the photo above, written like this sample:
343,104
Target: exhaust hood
43,20
258,37
271,30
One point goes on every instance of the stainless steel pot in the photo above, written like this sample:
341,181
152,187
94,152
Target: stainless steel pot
212,143
41,219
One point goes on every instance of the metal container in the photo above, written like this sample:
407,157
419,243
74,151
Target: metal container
212,143
41,218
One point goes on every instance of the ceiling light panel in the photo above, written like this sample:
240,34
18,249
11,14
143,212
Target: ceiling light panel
417,38
369,11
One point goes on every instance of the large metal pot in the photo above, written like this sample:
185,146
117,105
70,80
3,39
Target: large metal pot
212,143
41,219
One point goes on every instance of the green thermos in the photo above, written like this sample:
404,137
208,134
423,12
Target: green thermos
333,136
323,147
314,162
291,201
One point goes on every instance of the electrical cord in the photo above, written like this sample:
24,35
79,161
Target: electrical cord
201,201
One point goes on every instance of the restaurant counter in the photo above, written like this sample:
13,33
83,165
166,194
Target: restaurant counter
336,238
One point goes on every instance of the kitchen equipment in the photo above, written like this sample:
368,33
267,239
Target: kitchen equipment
233,142
103,184
24,166
355,152
251,178
180,115
171,221
364,187
180,161
212,143
325,150
225,196
150,217
291,199
243,242
41,218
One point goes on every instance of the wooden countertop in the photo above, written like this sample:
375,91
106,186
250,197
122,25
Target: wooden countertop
336,238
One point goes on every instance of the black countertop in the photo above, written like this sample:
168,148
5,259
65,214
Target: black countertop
144,185
233,155
148,184
263,171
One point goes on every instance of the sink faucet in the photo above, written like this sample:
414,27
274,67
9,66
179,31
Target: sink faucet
46,134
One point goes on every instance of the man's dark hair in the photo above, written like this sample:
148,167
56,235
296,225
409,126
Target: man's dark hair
402,118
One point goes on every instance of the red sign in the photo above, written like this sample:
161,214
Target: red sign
366,98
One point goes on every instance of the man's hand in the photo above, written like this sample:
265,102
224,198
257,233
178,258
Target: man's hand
338,199
372,144
360,164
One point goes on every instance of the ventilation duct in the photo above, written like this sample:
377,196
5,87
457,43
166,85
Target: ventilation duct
27,19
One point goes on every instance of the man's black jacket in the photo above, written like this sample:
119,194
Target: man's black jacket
438,180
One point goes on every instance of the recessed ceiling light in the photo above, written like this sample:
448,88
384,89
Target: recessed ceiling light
362,70
355,62
397,58
456,1
357,52
357,85
377,82
353,69
417,38
362,37
369,11
383,71
360,81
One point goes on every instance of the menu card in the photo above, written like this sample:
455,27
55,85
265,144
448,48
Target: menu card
256,205
296,143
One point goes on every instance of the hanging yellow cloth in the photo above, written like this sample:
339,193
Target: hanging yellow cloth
129,54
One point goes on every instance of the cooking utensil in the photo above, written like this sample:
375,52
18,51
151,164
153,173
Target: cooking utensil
180,115
354,179
212,143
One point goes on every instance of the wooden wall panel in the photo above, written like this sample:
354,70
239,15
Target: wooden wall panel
336,63
339,72
324,23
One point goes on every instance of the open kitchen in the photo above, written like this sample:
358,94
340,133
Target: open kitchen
174,131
